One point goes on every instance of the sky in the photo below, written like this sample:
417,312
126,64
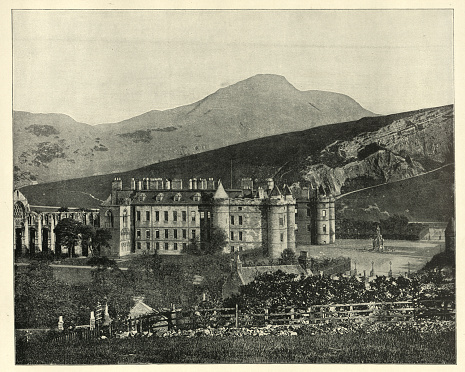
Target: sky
107,66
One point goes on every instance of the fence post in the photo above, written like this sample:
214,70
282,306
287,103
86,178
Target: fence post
237,316
292,313
266,316
174,317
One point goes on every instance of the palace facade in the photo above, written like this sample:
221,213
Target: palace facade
155,214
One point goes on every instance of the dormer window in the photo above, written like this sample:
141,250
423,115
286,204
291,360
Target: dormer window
159,197
177,197
142,197
196,197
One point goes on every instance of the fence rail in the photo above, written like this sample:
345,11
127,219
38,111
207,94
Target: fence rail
234,317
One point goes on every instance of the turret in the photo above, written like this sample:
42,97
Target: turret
322,220
220,209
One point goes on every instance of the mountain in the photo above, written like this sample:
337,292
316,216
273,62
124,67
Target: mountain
51,147
340,158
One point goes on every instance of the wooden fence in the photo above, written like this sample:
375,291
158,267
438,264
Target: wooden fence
234,317
407,311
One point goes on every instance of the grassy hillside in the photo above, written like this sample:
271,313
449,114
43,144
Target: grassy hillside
424,198
279,156
283,157
53,147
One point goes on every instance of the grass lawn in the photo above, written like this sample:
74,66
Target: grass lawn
379,347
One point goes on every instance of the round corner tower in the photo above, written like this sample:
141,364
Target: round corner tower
322,220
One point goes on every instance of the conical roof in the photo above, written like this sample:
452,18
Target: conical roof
220,192
286,190
275,192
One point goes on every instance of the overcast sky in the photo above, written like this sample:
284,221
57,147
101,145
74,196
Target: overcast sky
107,66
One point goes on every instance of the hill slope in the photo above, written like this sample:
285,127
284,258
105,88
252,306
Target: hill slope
339,157
51,147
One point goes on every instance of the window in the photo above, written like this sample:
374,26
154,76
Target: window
282,237
157,246
138,216
184,216
175,247
209,215
308,212
309,227
147,234
177,197
240,208
147,215
202,215
324,228
232,235
166,216
193,216
193,234
240,235
166,246
157,234
108,219
196,197
232,220
232,249
281,221
175,232
323,213
240,220
125,218
184,246
157,216
159,197
240,248
139,245
147,245
175,216
166,234
184,234
138,234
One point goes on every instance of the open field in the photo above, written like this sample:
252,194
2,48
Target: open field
376,347
398,252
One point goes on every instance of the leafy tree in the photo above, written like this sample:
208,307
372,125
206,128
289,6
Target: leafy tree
67,233
87,235
288,257
101,241
216,242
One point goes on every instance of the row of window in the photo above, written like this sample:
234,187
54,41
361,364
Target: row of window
166,246
166,234
233,220
233,249
238,235
175,216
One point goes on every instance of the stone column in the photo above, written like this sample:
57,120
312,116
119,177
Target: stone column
39,233
26,234
52,233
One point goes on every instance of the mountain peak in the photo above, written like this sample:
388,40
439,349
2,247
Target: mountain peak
265,81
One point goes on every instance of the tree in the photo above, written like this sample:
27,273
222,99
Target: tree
288,257
216,242
67,232
87,235
100,241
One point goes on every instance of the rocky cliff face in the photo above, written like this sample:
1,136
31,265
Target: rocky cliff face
403,149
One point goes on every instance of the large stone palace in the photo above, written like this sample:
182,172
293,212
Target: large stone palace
165,215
